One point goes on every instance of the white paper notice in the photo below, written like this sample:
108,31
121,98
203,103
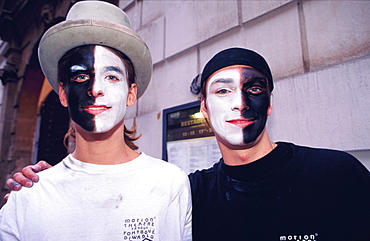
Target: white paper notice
193,154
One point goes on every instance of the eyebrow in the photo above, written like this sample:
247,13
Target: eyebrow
254,78
222,80
76,68
113,68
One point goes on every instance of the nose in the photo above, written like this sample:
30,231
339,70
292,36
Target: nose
96,89
239,103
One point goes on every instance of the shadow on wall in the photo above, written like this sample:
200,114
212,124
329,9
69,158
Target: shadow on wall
54,125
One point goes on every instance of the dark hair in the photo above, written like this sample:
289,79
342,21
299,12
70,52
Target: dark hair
129,134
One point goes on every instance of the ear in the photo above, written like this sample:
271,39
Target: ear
203,108
62,95
132,95
269,109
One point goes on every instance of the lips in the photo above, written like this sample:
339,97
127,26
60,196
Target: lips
241,122
95,109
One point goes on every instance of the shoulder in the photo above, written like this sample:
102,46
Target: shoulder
322,154
157,163
204,173
203,177
47,179
328,160
53,171
164,170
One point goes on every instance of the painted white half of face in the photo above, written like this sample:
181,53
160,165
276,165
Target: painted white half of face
111,81
237,105
223,94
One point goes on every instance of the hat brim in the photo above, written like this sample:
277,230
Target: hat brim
70,34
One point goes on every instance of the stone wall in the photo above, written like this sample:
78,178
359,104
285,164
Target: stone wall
318,51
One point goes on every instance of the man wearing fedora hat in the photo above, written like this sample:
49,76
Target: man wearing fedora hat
104,190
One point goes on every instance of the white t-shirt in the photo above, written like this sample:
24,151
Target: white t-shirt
144,199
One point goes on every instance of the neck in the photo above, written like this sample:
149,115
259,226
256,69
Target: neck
236,156
107,148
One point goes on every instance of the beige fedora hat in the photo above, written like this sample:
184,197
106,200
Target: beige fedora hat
94,22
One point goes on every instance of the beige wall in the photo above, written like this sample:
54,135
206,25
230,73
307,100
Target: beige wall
319,53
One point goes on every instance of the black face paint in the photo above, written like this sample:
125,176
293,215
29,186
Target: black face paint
79,66
256,97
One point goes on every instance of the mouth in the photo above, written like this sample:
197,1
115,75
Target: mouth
95,109
241,122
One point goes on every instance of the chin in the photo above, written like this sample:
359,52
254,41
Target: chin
233,144
102,130
106,126
239,143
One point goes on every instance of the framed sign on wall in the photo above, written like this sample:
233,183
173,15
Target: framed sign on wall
188,141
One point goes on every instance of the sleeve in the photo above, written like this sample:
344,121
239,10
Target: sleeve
180,208
9,228
198,218
359,182
187,233
351,179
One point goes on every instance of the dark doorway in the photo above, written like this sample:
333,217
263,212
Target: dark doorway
54,125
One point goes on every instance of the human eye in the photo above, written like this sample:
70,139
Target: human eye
114,73
80,78
255,90
112,78
222,91
222,87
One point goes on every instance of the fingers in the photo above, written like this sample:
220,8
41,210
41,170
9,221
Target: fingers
13,185
27,177
40,166
6,197
29,172
21,179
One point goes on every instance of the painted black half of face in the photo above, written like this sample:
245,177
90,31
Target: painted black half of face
256,98
78,67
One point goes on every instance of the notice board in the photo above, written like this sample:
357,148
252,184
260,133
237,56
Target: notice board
188,141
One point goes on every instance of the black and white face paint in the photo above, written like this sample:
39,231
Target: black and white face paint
96,88
237,104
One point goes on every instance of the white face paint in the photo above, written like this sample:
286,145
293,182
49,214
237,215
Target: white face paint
223,92
96,89
236,104
111,81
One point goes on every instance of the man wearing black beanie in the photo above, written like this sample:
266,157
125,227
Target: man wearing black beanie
260,190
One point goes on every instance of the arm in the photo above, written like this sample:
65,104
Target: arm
180,208
27,177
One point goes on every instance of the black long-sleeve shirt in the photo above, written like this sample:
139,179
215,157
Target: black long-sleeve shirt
293,193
